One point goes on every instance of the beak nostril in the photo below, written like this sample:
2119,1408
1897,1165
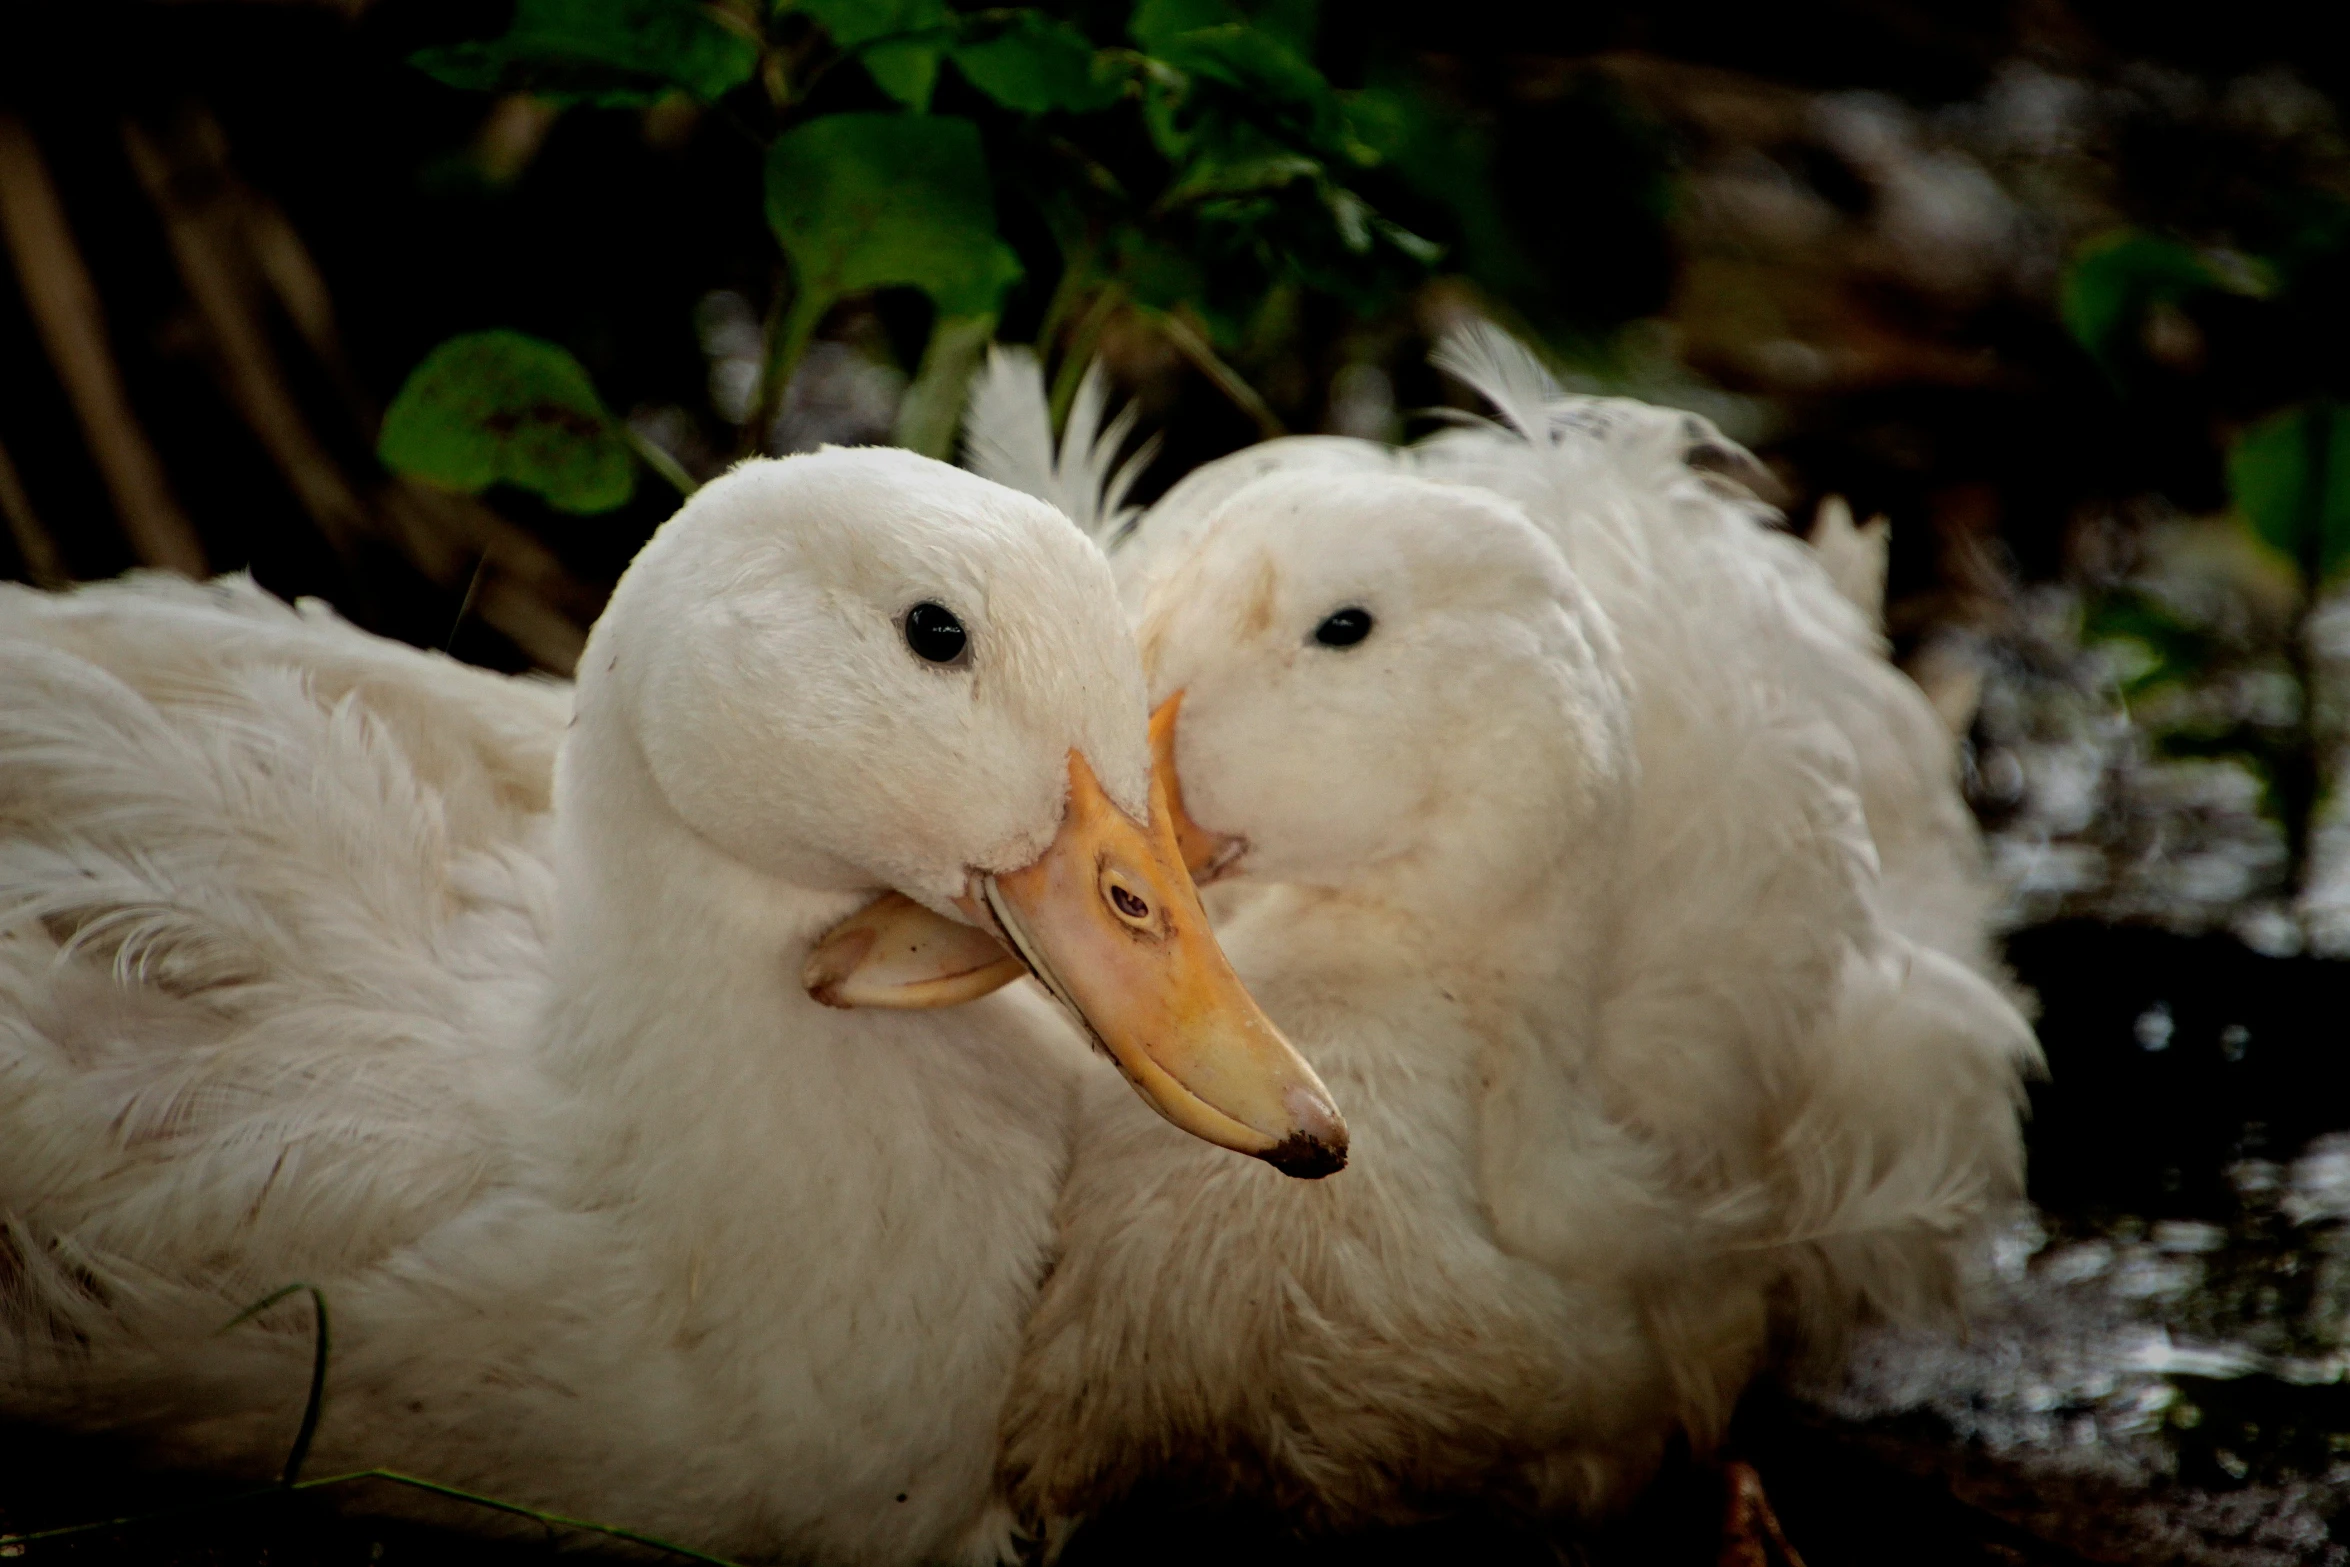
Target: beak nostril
1128,904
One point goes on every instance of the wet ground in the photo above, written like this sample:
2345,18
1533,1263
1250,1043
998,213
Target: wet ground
2161,1373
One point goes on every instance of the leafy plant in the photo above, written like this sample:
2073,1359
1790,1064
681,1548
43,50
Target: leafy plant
610,53
2290,476
2285,462
498,406
2117,278
2174,650
1200,174
862,201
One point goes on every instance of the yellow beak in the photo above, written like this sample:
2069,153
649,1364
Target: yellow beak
1207,855
1109,922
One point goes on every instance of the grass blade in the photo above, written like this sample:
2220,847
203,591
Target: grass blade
315,1404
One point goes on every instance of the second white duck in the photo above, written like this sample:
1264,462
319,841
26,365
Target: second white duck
1588,926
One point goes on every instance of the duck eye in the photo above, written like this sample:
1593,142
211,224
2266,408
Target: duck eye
1345,627
934,633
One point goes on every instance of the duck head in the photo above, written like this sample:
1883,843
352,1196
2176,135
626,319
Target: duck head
862,669
1395,689
1390,687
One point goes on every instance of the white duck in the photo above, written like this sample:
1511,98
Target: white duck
306,975
1694,572
1583,917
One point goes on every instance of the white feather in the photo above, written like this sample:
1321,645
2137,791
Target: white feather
1008,438
1856,557
1657,1066
325,960
1502,370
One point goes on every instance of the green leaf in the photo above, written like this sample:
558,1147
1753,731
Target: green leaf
1036,64
1157,274
491,407
863,201
855,23
2175,651
900,42
1262,168
608,53
1445,160
2290,477
1239,56
1419,247
1212,82
1158,22
1292,22
2115,278
905,68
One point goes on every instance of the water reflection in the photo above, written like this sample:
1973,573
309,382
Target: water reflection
2188,1379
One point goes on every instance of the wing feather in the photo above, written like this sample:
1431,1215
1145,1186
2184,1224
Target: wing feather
273,910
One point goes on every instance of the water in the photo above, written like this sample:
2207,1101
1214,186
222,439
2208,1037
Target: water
2162,1372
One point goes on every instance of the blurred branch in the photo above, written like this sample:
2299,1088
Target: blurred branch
524,592
651,454
1083,344
43,565
64,305
1194,346
932,410
515,584
791,326
193,202
286,265
352,9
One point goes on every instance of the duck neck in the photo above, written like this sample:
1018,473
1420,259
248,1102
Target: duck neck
679,1026
1524,922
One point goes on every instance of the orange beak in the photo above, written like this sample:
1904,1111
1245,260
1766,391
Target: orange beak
1207,855
1108,921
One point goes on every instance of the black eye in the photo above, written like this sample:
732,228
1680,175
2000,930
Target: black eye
934,633
1345,627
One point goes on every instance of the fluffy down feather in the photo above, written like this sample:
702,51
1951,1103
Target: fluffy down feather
1771,1091
212,1058
273,919
325,960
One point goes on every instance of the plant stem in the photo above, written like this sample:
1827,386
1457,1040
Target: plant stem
658,460
62,299
290,1479
465,604
557,1520
36,551
319,1349
932,410
1193,346
1081,349
790,330
2300,772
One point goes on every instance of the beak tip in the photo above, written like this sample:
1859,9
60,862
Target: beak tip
1306,1157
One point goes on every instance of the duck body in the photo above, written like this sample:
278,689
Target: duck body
1413,1334
477,1004
1657,1077
1365,1353
402,1118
